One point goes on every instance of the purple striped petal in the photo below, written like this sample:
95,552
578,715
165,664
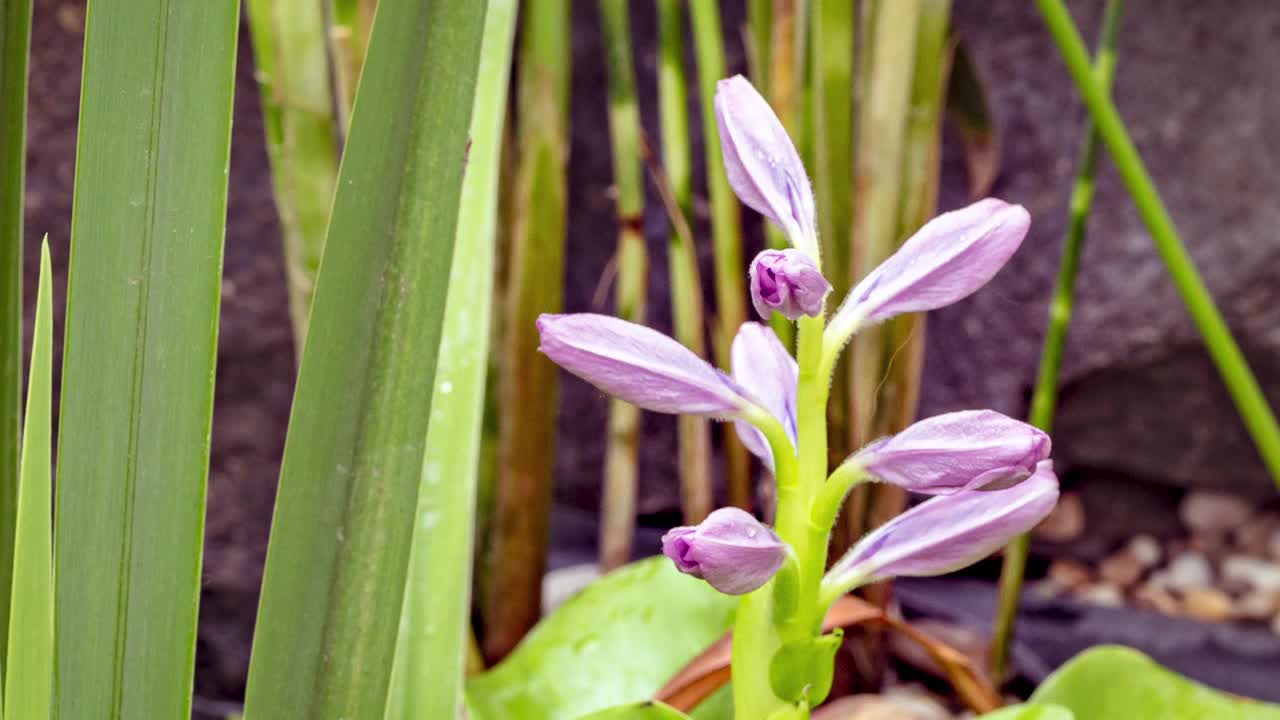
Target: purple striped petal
642,366
945,261
731,550
763,166
957,451
768,373
948,532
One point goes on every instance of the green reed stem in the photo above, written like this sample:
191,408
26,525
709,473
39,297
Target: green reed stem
1045,397
686,286
1232,366
618,510
726,231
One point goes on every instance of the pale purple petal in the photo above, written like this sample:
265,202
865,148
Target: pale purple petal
957,451
642,366
763,166
945,261
789,282
768,373
948,532
731,550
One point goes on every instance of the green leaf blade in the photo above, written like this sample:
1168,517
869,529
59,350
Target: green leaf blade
143,296
340,539
30,648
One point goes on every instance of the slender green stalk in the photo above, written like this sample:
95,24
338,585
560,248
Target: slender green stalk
435,625
832,120
353,460
759,41
30,652
15,39
1232,366
144,287
297,106
726,231
788,26
682,257
1045,397
618,511
350,23
517,549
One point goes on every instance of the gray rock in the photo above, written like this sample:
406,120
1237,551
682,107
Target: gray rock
1187,570
1213,511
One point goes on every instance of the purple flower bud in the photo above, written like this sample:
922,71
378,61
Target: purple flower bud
787,281
948,532
957,451
945,261
730,549
762,164
639,365
764,368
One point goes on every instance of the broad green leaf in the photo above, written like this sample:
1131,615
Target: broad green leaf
339,551
15,38
1030,711
138,365
290,56
30,654
618,641
1111,682
427,680
646,710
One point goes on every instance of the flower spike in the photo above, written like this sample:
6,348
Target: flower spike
731,550
764,368
956,451
763,166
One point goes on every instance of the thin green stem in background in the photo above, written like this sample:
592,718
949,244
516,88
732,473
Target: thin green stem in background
15,39
1234,369
353,460
144,287
726,232
30,654
292,63
528,382
435,626
349,24
618,508
682,258
1045,397
788,26
758,39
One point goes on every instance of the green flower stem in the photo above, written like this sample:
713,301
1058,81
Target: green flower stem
1239,379
1044,399
826,506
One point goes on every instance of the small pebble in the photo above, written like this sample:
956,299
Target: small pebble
1065,522
1190,569
1121,569
1257,605
1207,604
1253,537
1099,594
1255,573
1146,550
1069,573
1213,511
1153,597
1275,624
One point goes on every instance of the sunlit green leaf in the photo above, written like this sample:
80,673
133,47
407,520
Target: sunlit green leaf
1031,711
137,385
647,710
1118,683
617,642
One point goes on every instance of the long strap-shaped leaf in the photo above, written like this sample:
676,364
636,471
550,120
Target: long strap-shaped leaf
344,514
15,38
141,329
435,623
30,658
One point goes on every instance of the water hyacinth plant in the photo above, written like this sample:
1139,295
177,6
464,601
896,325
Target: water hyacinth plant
990,475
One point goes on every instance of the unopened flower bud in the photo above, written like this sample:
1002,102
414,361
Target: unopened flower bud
731,550
965,450
789,282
